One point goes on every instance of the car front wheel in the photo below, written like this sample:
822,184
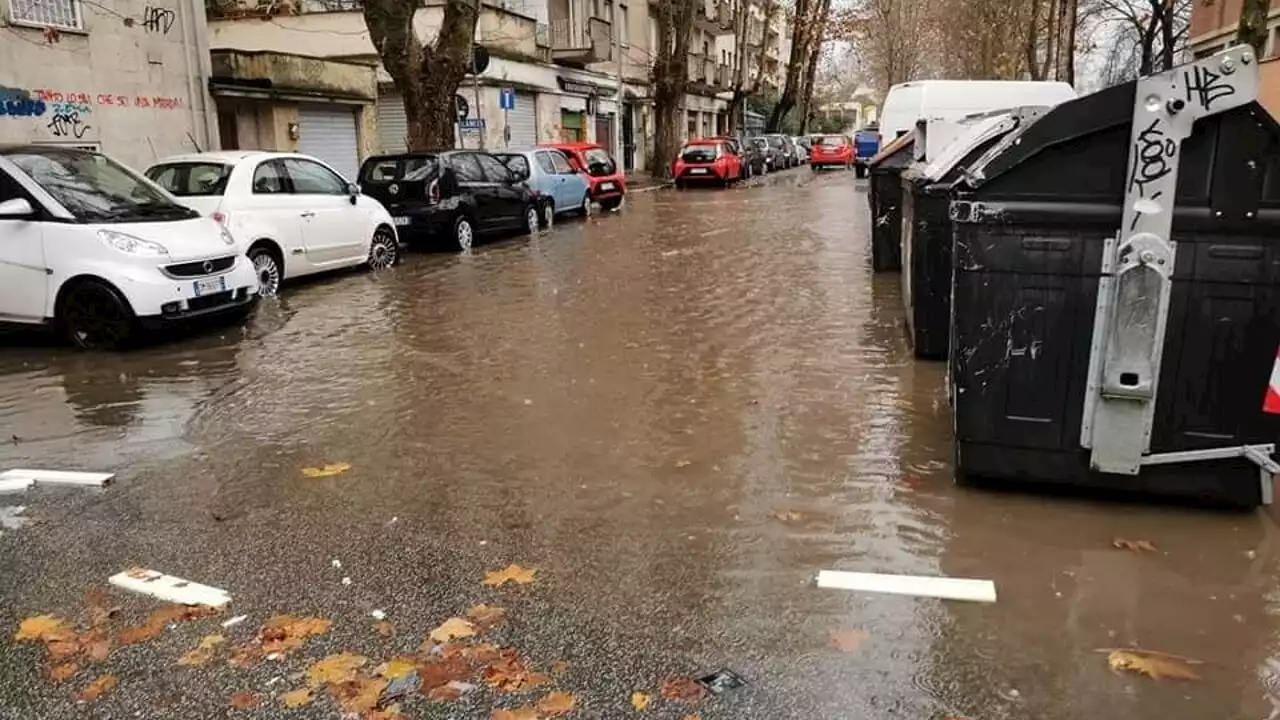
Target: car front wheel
93,316
586,204
613,203
531,220
384,251
548,214
268,269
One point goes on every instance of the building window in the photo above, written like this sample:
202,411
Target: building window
1273,42
317,6
624,25
63,14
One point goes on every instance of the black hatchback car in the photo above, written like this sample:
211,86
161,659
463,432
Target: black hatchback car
450,197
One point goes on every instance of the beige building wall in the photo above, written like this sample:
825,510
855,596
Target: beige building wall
76,73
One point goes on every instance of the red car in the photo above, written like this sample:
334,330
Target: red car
607,181
832,151
708,160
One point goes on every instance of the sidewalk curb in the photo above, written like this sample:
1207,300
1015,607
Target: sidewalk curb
651,188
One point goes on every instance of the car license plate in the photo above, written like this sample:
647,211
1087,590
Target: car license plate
606,186
400,220
209,286
698,171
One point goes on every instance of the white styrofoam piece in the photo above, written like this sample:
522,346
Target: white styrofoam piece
170,588
60,477
934,587
17,484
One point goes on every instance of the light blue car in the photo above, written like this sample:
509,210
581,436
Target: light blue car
548,171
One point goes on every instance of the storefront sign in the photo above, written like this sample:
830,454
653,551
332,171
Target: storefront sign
581,88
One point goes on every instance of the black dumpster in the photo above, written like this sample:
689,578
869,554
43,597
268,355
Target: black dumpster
885,196
1039,239
926,228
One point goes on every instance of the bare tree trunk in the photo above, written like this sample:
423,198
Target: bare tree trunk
1165,11
427,76
1065,69
800,31
1033,40
1253,25
810,73
670,79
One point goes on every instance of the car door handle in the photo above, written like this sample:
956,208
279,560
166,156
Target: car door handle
308,214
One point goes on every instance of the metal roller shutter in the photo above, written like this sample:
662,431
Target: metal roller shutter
523,121
329,133
393,126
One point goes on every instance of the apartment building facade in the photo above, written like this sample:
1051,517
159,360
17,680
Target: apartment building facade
129,79
578,70
1213,28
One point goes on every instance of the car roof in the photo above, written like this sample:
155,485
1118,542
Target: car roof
226,157
704,141
6,149
574,145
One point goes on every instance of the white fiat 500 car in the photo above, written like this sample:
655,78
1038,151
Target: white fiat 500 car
293,214
97,251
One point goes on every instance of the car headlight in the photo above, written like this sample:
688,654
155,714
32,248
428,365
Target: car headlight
127,243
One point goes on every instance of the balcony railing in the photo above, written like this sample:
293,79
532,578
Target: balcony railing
587,42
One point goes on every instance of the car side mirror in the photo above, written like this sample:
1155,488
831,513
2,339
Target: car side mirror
16,209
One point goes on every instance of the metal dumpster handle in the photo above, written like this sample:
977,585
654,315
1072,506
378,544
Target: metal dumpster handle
1137,264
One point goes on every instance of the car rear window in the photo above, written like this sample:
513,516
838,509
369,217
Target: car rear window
699,153
393,169
518,164
775,142
834,141
598,162
192,179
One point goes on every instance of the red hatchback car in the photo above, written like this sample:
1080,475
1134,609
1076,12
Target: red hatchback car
832,151
607,181
708,160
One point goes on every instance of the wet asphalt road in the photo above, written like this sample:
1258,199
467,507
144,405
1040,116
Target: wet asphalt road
677,414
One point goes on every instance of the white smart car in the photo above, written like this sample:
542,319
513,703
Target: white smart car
97,251
293,214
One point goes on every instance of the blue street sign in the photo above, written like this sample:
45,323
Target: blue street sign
507,99
471,124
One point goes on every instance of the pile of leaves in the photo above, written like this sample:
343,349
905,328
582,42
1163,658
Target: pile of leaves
70,647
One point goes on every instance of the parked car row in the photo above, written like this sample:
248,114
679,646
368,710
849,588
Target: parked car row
99,252
724,160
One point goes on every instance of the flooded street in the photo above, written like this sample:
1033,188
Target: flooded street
677,414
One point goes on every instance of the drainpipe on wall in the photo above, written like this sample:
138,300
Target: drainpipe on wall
195,36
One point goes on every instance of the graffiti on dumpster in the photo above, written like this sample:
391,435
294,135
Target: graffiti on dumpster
1152,153
1205,86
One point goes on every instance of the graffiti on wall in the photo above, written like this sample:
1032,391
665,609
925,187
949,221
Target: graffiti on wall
158,19
67,114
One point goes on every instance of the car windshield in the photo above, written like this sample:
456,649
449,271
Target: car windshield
398,169
700,153
191,179
598,162
92,187
834,141
517,164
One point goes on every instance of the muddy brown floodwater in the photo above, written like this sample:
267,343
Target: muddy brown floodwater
677,415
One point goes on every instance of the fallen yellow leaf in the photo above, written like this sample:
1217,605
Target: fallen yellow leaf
202,654
454,627
384,628
486,616
691,717
327,471
359,695
97,688
1134,545
847,640
559,667
683,463
58,673
556,702
639,700
296,698
44,628
1156,665
334,669
396,668
682,689
244,700
523,712
511,573
788,516
282,633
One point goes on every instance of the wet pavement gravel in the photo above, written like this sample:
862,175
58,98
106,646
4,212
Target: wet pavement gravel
677,414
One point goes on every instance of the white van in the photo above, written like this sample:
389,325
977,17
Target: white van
953,99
